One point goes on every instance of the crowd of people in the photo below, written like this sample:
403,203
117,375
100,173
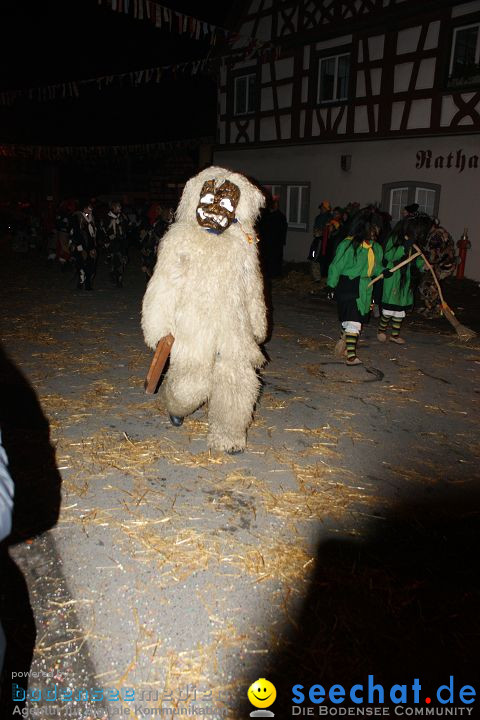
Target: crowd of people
82,234
84,230
357,251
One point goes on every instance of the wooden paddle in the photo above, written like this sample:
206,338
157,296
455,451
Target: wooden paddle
155,370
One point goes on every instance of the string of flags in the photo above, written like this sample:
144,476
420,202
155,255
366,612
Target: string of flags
63,152
246,48
174,21
164,17
71,89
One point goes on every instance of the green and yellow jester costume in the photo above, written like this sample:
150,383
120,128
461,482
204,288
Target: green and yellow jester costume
354,265
397,295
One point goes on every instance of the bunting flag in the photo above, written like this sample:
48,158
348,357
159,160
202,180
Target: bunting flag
135,78
175,21
63,152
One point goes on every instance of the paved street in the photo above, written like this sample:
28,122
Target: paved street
169,567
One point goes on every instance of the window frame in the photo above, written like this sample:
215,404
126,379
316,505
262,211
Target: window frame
282,188
298,224
428,190
335,53
390,199
412,186
464,81
249,110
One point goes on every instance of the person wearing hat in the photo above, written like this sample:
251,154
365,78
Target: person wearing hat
410,210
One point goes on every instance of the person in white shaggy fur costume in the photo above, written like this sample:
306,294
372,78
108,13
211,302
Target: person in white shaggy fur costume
207,291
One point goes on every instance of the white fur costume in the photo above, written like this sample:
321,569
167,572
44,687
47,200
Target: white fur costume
207,291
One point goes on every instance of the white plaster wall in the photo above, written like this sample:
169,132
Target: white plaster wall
373,164
466,8
267,99
284,68
333,42
408,40
284,96
264,30
375,47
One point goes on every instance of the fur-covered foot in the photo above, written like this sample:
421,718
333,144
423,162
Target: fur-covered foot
353,361
398,340
230,445
381,337
175,420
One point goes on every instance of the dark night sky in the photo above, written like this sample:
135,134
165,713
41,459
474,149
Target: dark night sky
51,41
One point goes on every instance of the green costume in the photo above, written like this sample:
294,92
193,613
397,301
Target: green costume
397,289
350,271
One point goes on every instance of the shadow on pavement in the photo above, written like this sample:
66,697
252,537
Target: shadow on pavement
31,456
401,603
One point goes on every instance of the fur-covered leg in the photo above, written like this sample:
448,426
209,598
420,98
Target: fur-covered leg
185,388
234,393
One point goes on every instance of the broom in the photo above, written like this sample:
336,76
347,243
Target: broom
463,332
397,267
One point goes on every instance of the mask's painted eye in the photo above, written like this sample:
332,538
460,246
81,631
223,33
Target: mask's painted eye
227,204
207,199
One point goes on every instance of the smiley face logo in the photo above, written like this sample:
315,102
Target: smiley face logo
262,693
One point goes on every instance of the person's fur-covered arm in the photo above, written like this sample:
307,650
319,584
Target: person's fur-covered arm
159,301
256,297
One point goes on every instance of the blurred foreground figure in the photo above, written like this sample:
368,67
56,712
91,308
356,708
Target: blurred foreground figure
6,506
207,292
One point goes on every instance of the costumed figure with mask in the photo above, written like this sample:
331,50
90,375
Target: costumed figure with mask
114,229
207,291
83,243
439,249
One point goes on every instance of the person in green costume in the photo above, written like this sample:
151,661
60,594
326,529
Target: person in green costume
357,260
397,295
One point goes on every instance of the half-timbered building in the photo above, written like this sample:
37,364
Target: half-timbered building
358,100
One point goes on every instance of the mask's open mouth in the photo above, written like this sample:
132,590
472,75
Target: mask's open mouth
220,220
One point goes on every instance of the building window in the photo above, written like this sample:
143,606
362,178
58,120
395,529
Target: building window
465,57
425,198
398,200
396,195
333,78
297,206
244,94
293,200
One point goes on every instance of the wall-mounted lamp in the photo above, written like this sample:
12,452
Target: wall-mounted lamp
346,162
